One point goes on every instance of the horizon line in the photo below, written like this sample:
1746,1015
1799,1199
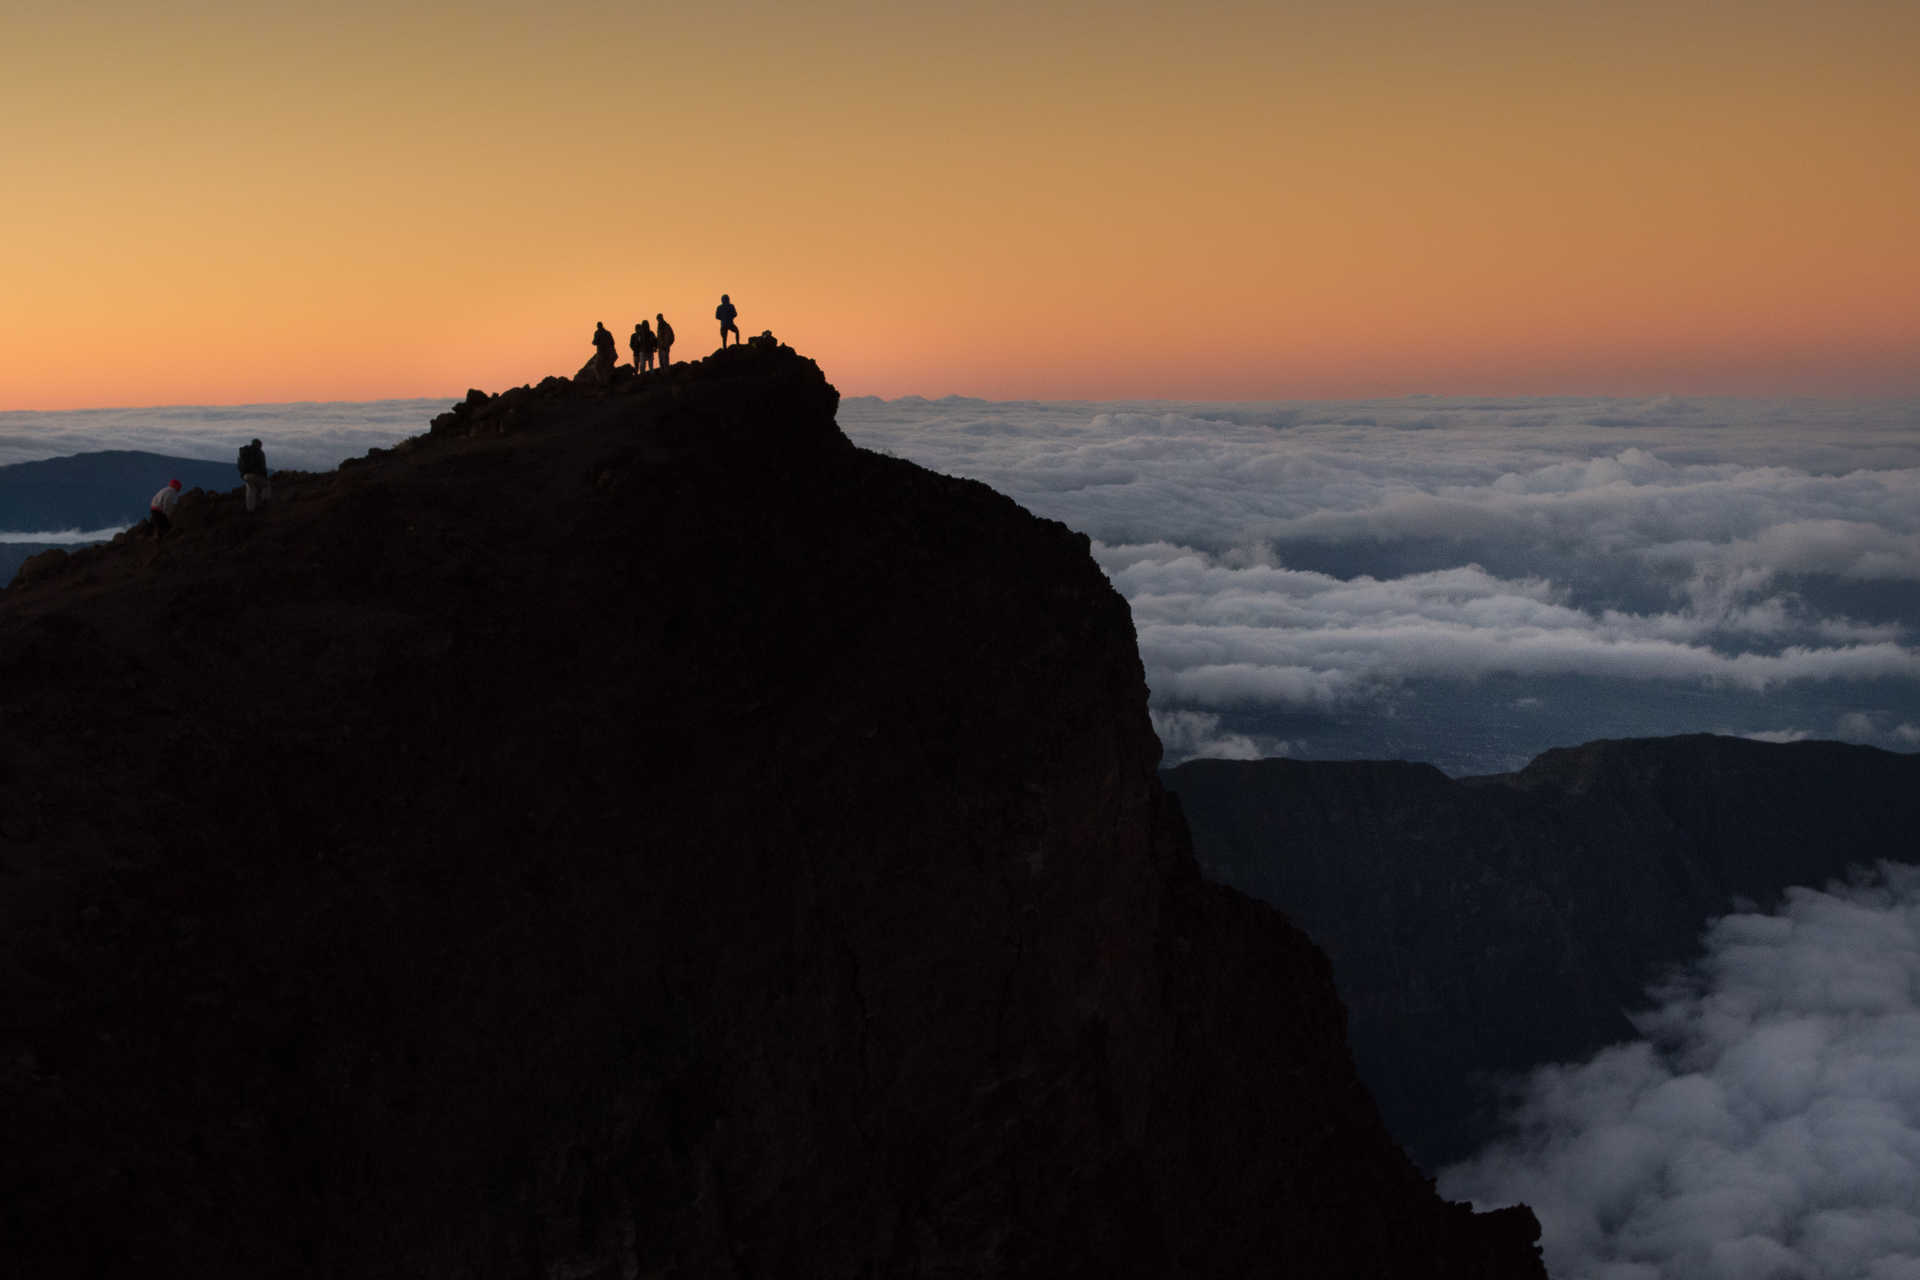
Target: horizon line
1743,396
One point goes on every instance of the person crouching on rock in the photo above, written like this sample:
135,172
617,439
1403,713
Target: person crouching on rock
663,334
253,470
643,344
604,354
160,510
725,313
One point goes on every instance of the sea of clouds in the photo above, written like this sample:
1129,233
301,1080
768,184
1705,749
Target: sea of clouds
1469,582
1768,1127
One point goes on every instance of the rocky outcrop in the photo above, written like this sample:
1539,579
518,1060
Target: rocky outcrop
633,832
1485,926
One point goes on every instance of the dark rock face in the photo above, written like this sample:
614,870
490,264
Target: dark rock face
1484,926
640,834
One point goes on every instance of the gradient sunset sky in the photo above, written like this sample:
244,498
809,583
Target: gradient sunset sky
220,201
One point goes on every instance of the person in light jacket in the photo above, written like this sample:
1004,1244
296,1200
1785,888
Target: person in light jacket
160,510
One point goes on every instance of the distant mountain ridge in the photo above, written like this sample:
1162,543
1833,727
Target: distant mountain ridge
1482,926
108,489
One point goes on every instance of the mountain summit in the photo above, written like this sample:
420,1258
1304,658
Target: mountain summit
634,832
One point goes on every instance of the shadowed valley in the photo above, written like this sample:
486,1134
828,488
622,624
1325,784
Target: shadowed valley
1480,927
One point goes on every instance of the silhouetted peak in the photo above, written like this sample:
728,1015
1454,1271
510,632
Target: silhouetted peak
628,830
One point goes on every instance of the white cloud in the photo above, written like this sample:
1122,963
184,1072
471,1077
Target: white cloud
63,536
1191,735
1855,726
1215,635
1770,1123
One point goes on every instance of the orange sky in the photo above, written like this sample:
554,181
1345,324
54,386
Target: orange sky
259,201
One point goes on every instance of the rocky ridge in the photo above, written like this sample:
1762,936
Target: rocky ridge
631,832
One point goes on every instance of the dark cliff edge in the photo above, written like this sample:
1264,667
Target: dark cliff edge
1484,926
638,833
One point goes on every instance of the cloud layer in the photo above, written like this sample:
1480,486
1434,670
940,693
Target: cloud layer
1769,1126
59,536
1335,560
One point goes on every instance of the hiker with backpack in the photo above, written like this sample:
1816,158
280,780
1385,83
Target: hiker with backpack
160,510
725,313
253,472
663,334
643,344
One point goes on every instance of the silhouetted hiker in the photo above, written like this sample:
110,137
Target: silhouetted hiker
643,344
725,313
253,470
160,510
604,353
663,334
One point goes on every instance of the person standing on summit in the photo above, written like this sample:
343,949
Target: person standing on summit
604,354
253,470
725,313
663,334
642,343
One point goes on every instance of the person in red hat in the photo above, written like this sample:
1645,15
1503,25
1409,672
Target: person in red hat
160,510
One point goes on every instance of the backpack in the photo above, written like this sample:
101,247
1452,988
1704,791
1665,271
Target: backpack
251,460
